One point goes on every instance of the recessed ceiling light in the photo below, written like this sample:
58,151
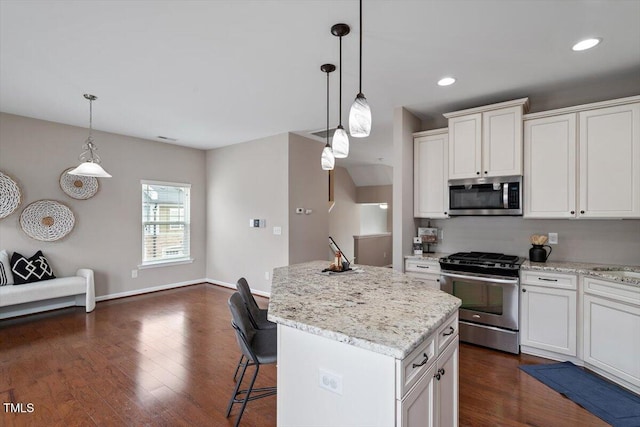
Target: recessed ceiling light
586,44
446,81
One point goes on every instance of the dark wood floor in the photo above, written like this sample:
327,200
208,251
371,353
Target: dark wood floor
167,358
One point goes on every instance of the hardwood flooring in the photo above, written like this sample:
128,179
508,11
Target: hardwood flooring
167,359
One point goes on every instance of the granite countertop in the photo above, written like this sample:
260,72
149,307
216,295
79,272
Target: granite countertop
434,256
375,308
604,271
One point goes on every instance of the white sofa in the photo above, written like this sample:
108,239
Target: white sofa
18,300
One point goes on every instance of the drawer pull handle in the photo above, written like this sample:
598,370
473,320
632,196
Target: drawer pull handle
423,266
451,331
547,280
421,363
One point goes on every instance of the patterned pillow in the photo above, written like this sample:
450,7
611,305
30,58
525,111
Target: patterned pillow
6,278
30,270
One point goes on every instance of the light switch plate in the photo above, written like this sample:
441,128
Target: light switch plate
277,231
553,238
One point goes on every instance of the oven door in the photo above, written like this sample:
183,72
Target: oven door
485,300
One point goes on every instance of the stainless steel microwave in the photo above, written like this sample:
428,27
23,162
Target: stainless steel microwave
486,196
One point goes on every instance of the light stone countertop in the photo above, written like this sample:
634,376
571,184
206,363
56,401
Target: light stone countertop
603,271
433,256
377,309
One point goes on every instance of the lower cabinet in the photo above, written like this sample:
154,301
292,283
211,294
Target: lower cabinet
548,314
426,271
433,400
612,331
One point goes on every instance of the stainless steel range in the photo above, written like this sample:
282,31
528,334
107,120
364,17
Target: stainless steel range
488,285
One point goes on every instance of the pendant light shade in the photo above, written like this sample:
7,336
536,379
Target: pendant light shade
340,142
327,161
360,113
360,117
90,165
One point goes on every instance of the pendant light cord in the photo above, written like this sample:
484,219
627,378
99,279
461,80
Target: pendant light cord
340,91
360,86
328,108
90,117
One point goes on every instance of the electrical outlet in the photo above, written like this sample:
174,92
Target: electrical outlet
553,238
330,381
277,231
134,274
266,275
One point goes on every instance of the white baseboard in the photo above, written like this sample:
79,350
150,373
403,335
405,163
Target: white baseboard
233,286
151,289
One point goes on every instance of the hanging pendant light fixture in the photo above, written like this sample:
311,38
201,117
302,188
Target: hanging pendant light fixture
328,160
360,113
90,165
340,142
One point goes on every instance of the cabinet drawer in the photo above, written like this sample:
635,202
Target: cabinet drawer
549,279
420,266
430,280
614,290
414,365
447,332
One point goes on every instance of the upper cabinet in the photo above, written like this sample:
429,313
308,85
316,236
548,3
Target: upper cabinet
583,162
430,153
486,141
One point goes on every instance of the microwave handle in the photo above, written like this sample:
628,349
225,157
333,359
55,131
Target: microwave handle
505,195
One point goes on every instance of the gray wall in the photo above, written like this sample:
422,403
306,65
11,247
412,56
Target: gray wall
244,181
107,233
597,241
308,188
264,179
344,218
404,227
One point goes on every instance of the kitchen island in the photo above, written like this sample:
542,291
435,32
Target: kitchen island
371,347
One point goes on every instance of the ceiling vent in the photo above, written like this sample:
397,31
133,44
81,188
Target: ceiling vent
166,138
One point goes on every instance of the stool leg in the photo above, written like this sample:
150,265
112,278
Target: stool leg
235,391
235,374
246,399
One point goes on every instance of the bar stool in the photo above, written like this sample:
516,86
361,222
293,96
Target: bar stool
258,347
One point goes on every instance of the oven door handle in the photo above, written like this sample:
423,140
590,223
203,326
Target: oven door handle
482,279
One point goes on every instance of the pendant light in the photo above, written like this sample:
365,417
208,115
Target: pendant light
327,161
360,113
340,142
90,165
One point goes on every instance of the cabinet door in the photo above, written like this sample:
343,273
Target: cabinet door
465,154
550,167
502,142
431,192
447,388
548,319
417,408
610,162
611,337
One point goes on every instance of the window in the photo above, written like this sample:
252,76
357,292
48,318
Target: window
165,222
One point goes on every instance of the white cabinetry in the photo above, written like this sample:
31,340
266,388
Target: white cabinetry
607,137
612,330
424,270
486,141
548,314
433,400
430,170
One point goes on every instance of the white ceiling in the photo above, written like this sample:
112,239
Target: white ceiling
214,73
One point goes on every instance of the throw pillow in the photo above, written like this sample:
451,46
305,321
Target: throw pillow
6,278
28,270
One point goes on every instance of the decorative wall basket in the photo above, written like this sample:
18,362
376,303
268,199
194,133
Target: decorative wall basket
10,196
47,220
78,187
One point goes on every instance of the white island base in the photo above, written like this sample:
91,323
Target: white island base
323,382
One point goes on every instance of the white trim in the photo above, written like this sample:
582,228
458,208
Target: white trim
430,132
583,107
151,289
168,263
524,102
171,184
233,286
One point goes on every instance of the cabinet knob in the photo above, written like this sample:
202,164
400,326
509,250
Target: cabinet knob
437,376
477,173
524,290
581,212
573,212
445,213
485,172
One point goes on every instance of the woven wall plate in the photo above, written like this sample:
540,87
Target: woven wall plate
10,196
78,187
47,220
